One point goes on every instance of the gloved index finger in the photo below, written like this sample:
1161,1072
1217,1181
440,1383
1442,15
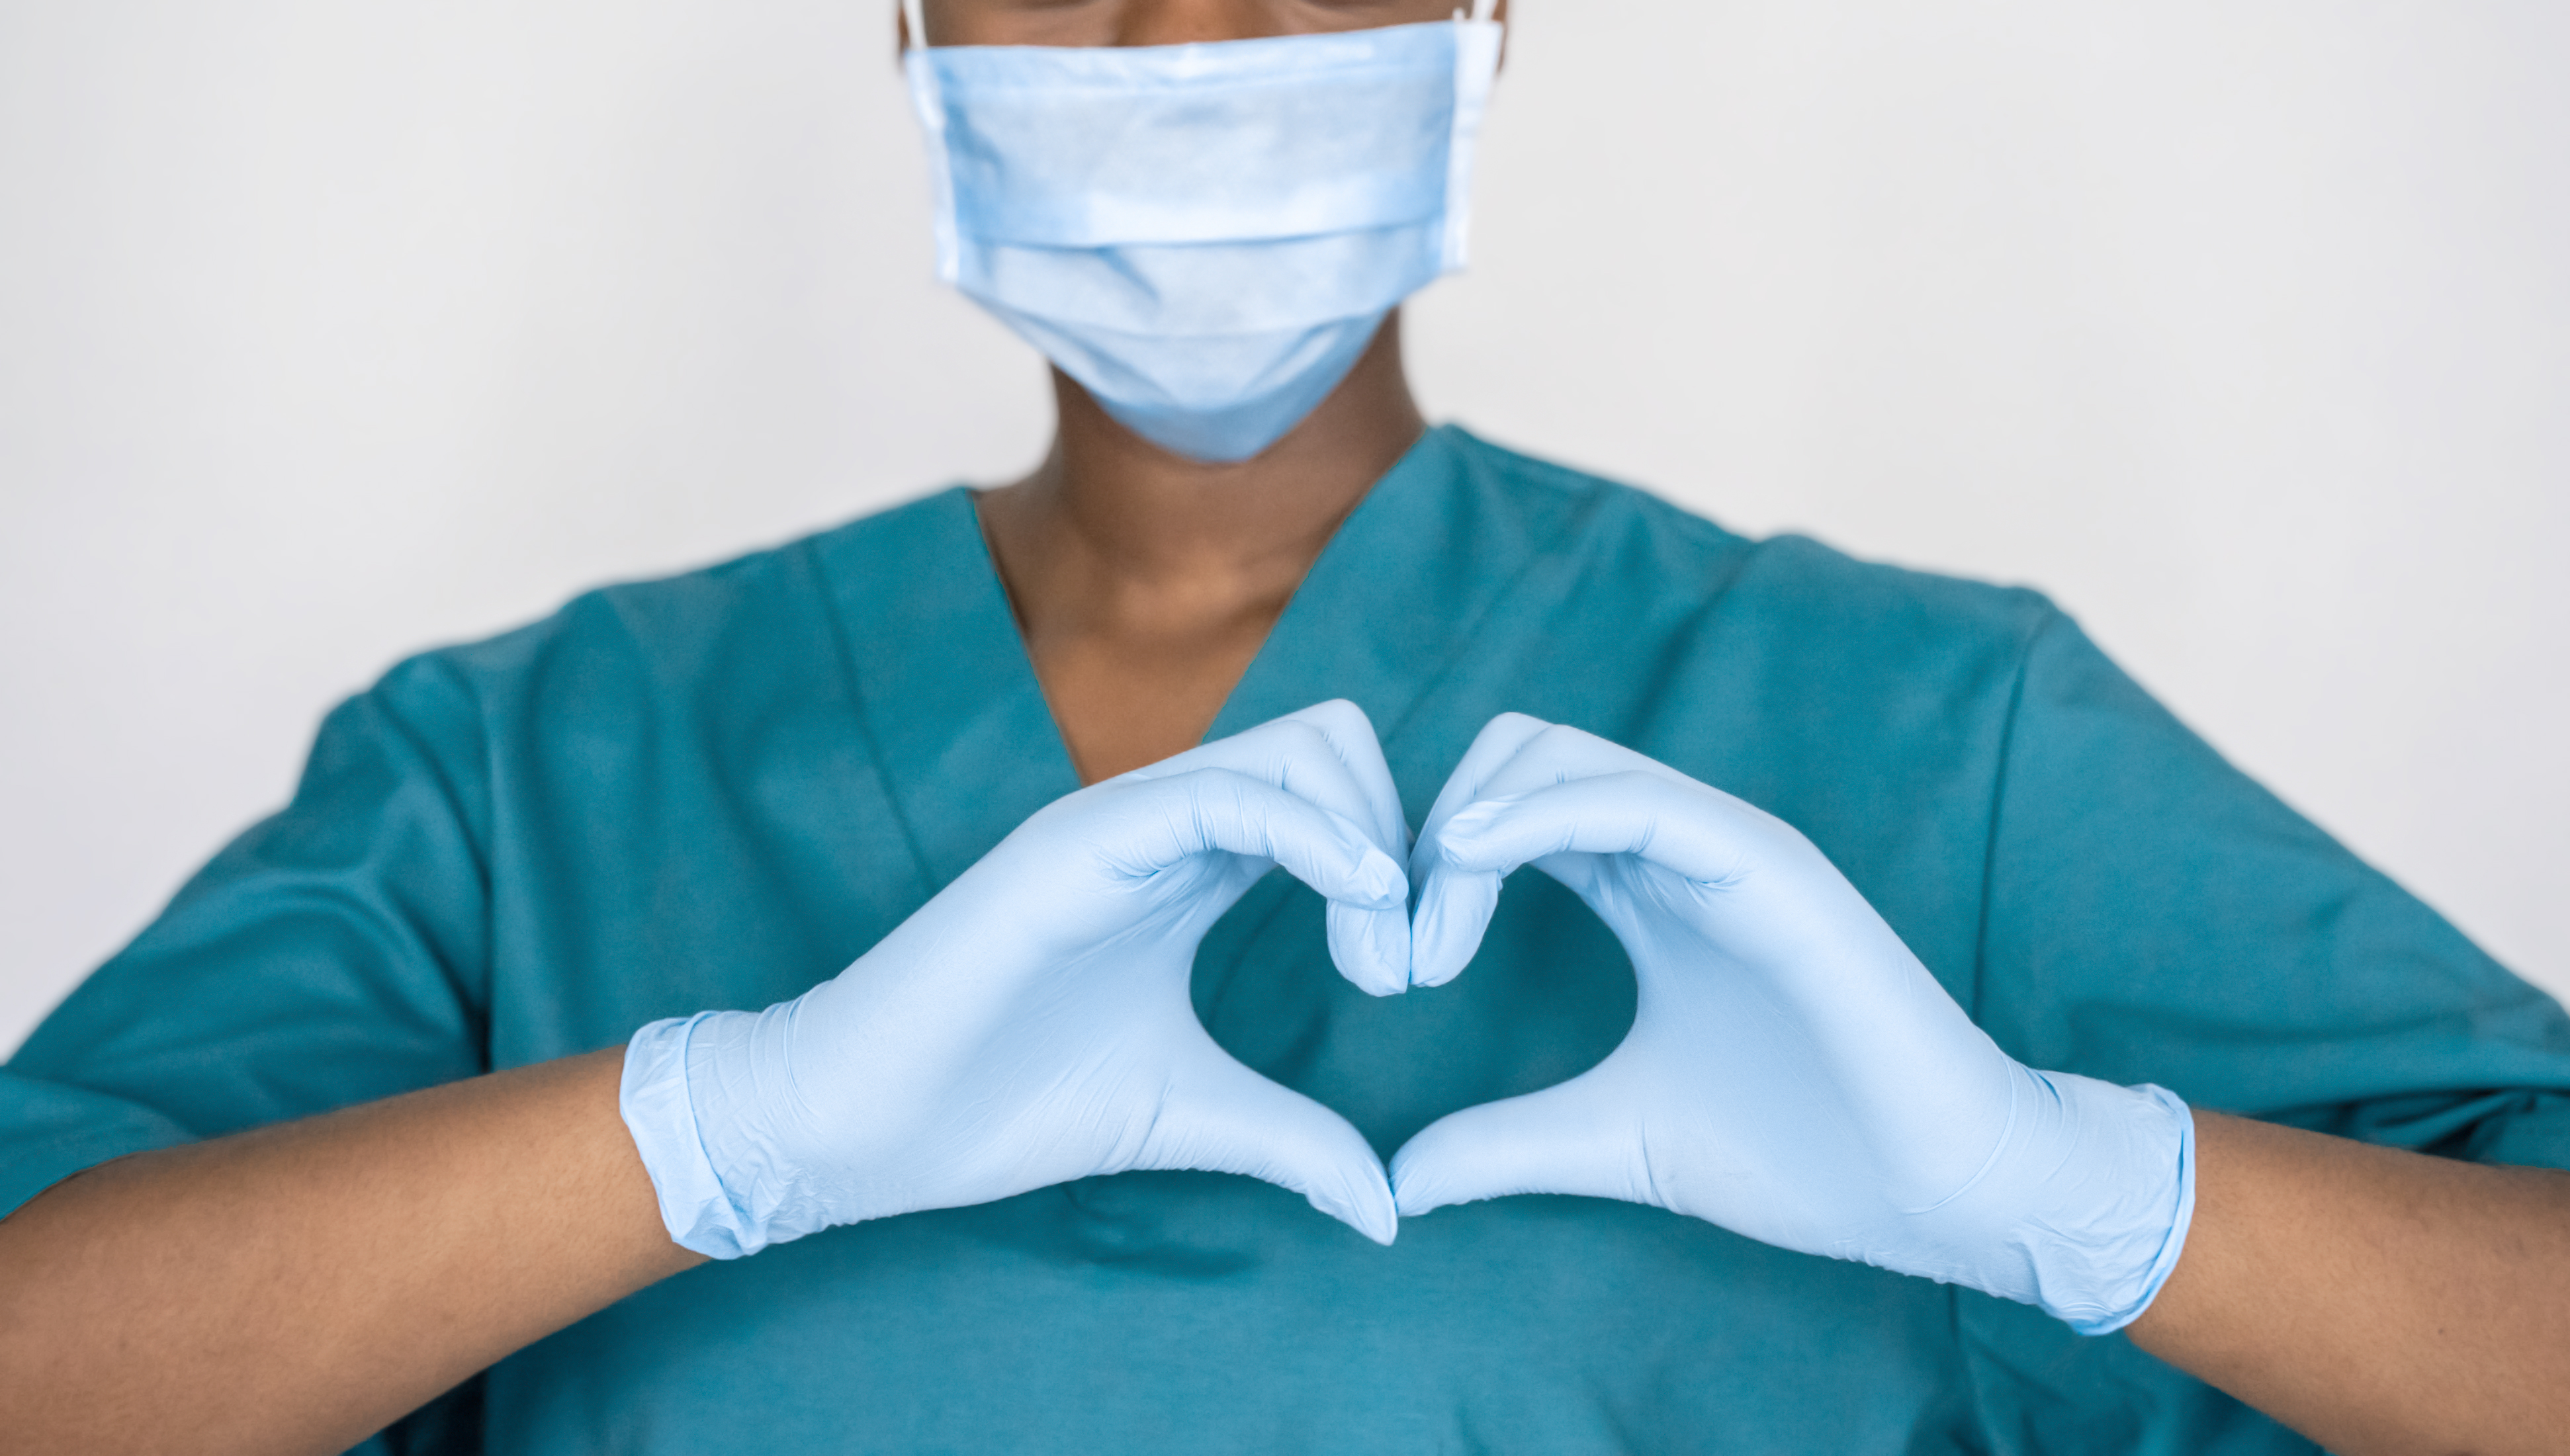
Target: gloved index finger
1350,734
1561,754
1327,753
1702,833
1514,754
1299,761
1371,947
1654,811
1218,809
1493,747
1308,755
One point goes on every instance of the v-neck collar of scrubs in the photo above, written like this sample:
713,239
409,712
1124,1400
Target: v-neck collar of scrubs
1398,595
953,710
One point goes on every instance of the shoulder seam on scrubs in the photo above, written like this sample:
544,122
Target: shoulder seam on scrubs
2051,617
816,578
473,986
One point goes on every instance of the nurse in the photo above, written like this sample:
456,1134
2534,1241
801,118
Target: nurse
838,1000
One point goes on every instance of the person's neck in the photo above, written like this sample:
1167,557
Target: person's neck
1145,581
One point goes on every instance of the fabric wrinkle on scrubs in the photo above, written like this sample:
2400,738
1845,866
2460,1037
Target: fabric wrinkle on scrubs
718,788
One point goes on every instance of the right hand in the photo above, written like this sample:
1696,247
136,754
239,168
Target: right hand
1030,1024
1794,1073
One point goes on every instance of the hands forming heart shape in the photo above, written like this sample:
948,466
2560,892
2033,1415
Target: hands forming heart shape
1793,1075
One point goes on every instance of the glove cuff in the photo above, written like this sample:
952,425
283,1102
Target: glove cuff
653,1098
2123,1194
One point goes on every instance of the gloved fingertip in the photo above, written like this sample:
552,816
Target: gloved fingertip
1379,882
1446,932
1470,854
1364,1204
1379,982
1419,1182
1412,1198
1429,971
1472,819
1431,977
1381,1222
1390,935
1371,948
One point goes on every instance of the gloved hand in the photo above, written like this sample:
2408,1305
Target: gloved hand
1030,1024
1793,1075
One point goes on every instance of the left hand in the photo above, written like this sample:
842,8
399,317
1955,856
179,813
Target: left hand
1794,1073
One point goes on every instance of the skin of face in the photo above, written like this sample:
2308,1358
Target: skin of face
1162,22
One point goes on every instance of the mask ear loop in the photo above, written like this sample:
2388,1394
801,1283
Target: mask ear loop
1476,61
927,101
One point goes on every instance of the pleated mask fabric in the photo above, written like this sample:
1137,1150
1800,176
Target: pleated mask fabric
1205,235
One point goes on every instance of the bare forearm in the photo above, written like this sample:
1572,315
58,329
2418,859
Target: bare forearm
2376,1300
298,1288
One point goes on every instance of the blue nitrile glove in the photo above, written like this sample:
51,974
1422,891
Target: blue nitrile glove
1793,1073
1030,1024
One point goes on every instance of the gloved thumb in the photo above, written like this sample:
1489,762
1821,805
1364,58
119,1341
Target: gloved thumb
1454,905
1455,908
1223,1117
1573,1138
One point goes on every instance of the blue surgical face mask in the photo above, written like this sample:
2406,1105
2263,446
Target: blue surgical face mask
1205,237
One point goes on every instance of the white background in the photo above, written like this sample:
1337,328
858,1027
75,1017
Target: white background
330,331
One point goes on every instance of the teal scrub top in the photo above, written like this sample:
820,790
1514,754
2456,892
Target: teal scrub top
716,790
